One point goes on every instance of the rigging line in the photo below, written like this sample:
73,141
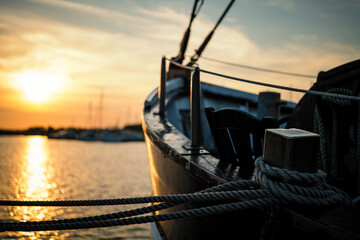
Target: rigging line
258,69
335,95
283,87
196,10
199,51
224,13
186,37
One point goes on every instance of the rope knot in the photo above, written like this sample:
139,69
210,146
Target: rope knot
292,187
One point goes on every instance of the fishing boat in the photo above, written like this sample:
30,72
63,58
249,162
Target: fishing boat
199,135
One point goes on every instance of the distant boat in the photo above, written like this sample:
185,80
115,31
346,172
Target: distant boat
190,148
63,134
87,135
119,136
110,136
104,135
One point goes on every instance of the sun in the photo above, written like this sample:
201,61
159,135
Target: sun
38,87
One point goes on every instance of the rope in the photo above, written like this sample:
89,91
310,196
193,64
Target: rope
338,101
252,194
138,211
329,137
358,150
177,198
334,171
319,128
313,92
259,69
204,211
292,187
199,51
243,184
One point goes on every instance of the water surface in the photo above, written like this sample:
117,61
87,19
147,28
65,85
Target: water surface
37,168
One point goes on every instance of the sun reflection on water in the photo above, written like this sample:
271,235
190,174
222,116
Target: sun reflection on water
36,183
38,171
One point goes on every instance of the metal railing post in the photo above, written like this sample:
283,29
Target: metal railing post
195,123
162,88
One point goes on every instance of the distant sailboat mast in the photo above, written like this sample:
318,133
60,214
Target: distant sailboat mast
101,108
128,115
90,121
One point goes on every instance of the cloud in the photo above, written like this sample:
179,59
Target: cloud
86,8
126,63
161,30
286,5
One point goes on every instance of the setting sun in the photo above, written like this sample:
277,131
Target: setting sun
38,87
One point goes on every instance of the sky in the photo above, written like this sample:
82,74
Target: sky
91,63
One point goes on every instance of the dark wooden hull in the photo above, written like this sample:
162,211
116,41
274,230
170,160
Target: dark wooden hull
168,176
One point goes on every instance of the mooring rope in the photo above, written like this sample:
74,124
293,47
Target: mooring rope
177,198
204,211
284,186
139,211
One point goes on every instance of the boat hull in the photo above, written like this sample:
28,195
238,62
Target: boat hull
169,176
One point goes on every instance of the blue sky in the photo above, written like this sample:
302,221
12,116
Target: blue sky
115,46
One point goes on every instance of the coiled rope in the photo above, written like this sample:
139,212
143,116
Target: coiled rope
293,187
329,135
284,187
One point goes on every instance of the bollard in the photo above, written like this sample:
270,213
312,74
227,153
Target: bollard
293,149
268,104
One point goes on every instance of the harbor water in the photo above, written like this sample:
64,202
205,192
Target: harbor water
38,168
